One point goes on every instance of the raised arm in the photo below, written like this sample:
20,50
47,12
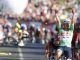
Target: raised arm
74,17
57,19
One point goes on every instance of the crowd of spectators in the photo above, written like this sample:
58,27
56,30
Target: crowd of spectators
39,19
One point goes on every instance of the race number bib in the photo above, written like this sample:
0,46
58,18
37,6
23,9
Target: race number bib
65,36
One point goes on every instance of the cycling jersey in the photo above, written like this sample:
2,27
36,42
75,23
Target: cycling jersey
19,27
66,36
6,28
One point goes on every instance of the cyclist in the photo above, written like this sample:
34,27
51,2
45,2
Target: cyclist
7,27
18,26
65,34
24,32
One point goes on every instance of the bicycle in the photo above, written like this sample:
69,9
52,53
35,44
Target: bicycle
76,53
50,50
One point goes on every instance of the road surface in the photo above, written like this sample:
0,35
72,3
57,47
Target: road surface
30,52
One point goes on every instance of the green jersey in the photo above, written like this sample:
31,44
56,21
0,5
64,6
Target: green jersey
66,36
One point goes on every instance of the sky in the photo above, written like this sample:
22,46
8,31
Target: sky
18,6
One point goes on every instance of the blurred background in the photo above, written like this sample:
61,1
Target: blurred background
35,17
32,22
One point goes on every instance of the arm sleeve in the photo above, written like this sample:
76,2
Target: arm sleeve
58,26
72,27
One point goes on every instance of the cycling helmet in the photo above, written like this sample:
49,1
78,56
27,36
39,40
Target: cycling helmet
67,21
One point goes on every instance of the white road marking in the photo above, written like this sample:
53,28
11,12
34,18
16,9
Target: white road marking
5,53
20,54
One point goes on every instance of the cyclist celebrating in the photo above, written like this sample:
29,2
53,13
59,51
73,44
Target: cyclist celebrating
65,33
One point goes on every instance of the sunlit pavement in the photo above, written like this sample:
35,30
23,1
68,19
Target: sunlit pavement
30,52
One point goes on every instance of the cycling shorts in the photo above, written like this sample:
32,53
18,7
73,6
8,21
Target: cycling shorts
67,51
